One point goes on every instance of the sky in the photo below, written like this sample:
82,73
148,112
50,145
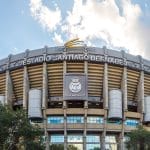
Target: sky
116,24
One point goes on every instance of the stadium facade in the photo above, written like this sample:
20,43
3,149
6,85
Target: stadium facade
83,96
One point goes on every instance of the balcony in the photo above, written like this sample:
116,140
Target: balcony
130,114
56,111
55,127
94,126
114,127
75,126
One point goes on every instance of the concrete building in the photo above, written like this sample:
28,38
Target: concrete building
83,96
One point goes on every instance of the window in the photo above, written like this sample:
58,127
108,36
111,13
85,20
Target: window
75,141
114,122
111,142
57,138
75,119
95,119
92,142
75,146
54,104
92,146
110,139
75,138
92,139
132,122
36,120
55,119
75,104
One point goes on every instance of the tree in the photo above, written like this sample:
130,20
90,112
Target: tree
139,139
72,147
61,147
57,146
17,132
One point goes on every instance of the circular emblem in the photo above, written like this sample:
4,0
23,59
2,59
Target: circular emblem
75,85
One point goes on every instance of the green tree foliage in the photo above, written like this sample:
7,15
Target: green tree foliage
57,146
16,132
139,139
61,147
72,147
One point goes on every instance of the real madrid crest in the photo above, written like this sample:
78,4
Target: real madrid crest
75,85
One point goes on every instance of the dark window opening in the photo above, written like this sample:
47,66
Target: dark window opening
132,108
95,105
55,104
75,104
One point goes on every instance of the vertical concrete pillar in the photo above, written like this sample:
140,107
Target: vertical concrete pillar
25,88
45,87
85,124
124,89
105,86
125,106
85,108
8,90
120,140
65,108
103,139
44,102
105,104
25,83
65,124
8,85
45,130
140,94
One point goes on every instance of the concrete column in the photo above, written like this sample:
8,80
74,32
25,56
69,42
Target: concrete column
25,88
105,86
125,106
85,110
105,104
140,94
65,110
120,140
124,100
44,102
124,89
103,139
45,87
85,124
8,90
45,130
65,124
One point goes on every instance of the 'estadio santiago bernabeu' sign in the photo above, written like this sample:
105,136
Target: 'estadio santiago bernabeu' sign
91,57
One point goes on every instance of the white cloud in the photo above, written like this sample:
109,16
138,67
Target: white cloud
103,20
49,19
58,39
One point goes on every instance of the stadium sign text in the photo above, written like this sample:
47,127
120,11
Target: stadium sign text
74,56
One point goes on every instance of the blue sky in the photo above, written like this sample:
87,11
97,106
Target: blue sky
117,24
